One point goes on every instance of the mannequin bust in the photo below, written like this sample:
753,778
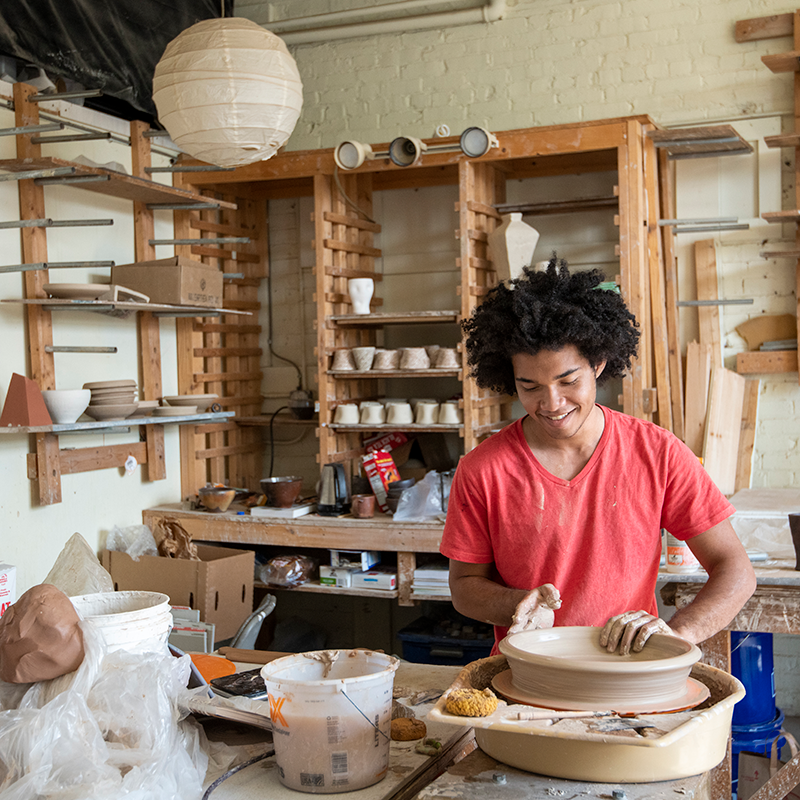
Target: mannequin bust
360,290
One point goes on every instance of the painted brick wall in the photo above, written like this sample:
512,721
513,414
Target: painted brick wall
547,62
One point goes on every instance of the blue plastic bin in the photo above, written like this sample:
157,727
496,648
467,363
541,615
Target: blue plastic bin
752,663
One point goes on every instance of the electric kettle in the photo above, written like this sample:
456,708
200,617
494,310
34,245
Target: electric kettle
333,496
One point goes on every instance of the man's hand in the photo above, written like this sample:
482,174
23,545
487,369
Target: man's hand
536,609
631,630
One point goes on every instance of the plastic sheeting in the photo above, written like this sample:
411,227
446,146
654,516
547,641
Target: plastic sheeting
108,46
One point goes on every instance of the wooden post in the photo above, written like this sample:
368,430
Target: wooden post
705,265
41,366
149,333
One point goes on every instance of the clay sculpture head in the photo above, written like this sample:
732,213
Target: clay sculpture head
40,637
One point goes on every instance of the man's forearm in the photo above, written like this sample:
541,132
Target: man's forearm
485,600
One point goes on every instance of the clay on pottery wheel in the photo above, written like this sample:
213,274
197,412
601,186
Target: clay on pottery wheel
40,637
568,664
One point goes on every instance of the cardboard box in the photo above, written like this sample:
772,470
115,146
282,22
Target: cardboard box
336,576
376,579
360,559
177,280
8,587
220,585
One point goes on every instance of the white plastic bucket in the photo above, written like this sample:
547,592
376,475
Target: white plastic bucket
331,718
126,619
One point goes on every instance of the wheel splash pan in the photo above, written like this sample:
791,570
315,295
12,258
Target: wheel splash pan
677,746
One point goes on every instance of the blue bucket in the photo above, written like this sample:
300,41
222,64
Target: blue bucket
752,664
754,739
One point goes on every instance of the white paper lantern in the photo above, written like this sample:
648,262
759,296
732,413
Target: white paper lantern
228,92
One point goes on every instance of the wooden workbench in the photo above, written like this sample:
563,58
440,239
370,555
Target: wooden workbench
459,771
380,533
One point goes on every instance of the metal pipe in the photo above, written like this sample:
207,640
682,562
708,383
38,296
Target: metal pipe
51,223
70,137
221,240
742,227
25,129
490,12
36,173
190,168
198,313
49,348
698,221
55,265
181,206
715,302
72,179
37,98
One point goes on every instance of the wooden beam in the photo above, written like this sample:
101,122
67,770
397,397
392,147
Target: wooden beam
766,362
723,428
88,459
772,27
705,265
698,380
747,438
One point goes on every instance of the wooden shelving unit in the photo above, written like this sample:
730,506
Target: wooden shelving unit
345,248
111,424
49,461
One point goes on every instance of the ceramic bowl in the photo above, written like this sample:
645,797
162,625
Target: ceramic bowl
66,405
174,411
110,384
103,413
146,408
201,402
281,492
216,498
554,664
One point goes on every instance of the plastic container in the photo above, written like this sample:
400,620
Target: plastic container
426,641
331,717
680,559
127,619
757,738
752,663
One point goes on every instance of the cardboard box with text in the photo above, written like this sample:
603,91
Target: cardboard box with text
177,281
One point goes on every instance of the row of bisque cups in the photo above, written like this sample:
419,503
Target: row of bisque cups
363,359
396,412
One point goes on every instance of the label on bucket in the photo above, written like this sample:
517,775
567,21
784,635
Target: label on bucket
679,557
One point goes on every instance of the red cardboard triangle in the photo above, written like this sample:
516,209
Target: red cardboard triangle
24,404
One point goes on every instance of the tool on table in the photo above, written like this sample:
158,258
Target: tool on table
250,656
552,714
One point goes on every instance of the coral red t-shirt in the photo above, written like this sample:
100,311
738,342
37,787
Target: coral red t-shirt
597,537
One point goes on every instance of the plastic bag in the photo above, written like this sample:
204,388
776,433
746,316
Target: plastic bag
77,571
111,729
289,570
426,499
135,540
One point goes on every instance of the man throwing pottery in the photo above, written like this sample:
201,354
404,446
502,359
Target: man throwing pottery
557,518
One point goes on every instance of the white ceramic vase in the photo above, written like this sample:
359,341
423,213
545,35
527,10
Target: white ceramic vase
511,246
360,291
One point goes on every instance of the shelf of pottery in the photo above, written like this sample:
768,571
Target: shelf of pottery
358,370
33,173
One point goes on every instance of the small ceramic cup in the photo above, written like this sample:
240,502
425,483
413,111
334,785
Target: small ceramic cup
346,414
426,413
373,414
414,358
447,358
363,357
362,506
387,359
449,414
399,414
343,360
431,349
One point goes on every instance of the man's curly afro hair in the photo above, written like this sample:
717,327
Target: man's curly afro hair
547,311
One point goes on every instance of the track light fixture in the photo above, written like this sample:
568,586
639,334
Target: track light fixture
405,151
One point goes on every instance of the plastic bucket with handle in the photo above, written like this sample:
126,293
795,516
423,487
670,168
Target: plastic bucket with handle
331,718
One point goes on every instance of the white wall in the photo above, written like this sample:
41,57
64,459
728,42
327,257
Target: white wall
31,536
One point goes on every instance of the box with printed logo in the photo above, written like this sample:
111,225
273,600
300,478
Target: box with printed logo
176,281
8,587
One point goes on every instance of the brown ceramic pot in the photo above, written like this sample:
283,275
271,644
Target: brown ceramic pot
362,505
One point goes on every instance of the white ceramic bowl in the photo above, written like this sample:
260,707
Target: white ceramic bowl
103,413
568,663
200,401
66,405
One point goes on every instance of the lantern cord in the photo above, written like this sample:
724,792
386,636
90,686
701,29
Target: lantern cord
345,197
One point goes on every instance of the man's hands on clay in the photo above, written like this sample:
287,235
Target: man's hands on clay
631,630
536,610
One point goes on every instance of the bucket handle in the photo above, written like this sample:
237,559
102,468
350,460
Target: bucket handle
774,764
367,718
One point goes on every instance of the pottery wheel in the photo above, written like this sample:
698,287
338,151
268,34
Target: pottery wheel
695,694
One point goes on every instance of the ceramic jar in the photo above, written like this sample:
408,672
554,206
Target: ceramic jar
511,245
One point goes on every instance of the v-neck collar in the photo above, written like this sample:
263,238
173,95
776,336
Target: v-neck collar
587,468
